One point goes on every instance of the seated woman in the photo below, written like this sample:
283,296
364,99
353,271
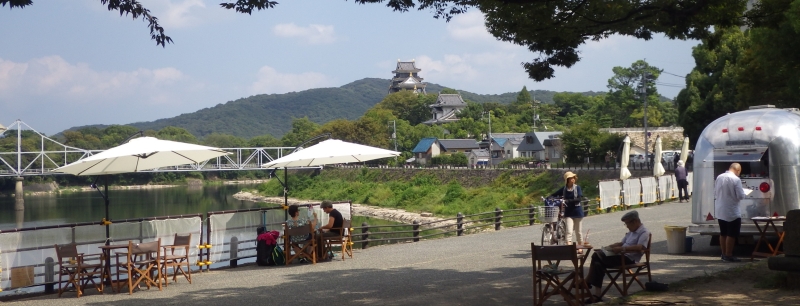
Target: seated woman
296,221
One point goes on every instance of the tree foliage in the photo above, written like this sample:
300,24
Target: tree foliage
711,87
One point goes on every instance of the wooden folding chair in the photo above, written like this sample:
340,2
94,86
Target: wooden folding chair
141,263
630,273
80,273
302,249
550,278
345,240
176,256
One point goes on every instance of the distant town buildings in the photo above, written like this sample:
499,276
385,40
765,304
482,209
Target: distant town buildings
406,77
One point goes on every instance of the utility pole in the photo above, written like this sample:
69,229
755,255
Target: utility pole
394,133
491,159
643,91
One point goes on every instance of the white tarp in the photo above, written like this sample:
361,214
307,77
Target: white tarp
664,187
648,189
224,227
633,191
609,194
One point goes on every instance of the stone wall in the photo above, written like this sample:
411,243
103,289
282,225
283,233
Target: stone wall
671,137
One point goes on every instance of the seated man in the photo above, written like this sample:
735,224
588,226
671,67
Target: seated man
333,228
634,241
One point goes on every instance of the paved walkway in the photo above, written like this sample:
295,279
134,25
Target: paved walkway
490,268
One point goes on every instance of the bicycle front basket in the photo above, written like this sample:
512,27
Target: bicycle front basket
548,214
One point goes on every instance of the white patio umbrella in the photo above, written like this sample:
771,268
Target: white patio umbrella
624,173
139,154
685,150
331,151
658,169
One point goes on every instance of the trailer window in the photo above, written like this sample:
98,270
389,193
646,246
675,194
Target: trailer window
739,155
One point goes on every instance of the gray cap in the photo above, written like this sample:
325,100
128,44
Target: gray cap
631,215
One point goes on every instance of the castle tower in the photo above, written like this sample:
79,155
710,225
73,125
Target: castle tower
406,77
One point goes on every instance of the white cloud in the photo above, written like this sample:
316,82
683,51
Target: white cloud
469,27
312,34
177,13
468,68
271,81
53,94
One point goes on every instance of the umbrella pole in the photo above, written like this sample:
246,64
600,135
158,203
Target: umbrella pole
105,197
286,194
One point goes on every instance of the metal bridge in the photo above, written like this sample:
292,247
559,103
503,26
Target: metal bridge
50,154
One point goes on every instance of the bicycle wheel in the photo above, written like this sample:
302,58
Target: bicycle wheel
547,235
561,232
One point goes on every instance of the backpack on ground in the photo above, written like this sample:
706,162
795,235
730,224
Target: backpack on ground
276,257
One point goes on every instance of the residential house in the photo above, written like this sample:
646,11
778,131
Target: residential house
450,146
446,108
533,146
478,157
426,149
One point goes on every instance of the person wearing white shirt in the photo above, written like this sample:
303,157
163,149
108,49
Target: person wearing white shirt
728,192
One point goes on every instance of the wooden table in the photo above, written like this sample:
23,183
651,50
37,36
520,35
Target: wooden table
107,253
763,225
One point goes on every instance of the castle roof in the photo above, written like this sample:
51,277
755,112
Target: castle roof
406,67
449,100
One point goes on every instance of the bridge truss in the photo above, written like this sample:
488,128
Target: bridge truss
46,154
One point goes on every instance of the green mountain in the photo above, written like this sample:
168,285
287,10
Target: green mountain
272,114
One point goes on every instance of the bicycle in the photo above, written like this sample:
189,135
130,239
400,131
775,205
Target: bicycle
554,231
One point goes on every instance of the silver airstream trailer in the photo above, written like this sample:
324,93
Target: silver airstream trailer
766,141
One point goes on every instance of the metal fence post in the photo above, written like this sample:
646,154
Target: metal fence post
498,218
460,222
49,275
531,215
234,252
416,230
364,235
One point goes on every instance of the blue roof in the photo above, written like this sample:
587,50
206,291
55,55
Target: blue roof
500,141
423,145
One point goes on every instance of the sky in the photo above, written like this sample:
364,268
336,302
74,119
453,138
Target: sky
72,63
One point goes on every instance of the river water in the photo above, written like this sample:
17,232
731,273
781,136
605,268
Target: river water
87,206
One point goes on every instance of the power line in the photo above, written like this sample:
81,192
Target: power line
672,74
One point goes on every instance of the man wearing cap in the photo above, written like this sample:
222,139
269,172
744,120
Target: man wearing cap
680,177
634,242
728,192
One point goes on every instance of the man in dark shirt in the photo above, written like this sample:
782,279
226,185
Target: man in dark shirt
332,229
335,220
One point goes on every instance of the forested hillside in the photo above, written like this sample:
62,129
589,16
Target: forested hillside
272,114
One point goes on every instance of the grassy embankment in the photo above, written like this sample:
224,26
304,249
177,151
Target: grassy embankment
426,191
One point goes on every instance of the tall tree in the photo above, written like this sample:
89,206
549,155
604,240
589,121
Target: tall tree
711,87
771,67
624,100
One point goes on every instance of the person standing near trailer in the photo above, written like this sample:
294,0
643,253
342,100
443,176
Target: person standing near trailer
728,192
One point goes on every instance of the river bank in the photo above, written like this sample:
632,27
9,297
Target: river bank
391,214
